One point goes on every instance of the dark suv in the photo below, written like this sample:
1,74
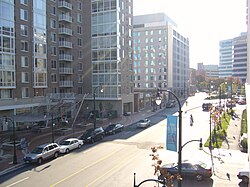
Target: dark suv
92,135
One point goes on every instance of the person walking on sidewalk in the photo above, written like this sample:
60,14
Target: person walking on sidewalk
24,146
191,120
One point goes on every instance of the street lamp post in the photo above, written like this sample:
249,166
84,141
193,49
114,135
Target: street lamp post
52,127
180,134
210,122
14,138
94,94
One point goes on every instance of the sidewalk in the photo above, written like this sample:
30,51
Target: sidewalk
6,156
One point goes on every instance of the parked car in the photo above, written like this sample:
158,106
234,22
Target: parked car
230,103
144,123
92,135
242,101
170,104
192,169
127,114
114,128
42,152
207,106
72,143
244,174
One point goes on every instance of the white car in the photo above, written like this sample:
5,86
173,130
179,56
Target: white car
144,123
244,174
72,143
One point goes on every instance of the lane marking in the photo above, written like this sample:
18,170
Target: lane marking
73,174
18,182
112,169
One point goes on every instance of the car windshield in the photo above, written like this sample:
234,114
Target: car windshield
65,142
37,150
110,126
88,132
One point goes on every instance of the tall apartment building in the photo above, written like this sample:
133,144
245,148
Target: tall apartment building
226,58
240,57
63,50
210,71
161,54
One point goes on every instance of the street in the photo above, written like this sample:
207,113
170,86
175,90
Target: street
114,160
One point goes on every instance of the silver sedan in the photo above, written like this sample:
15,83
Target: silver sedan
72,143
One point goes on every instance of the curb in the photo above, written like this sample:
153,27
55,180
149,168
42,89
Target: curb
13,168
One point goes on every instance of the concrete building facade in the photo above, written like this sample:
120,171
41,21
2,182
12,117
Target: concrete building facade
161,54
61,51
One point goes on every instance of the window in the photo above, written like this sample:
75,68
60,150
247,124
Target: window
80,90
24,61
80,54
53,37
25,92
80,78
53,64
53,24
25,77
79,5
79,42
79,18
53,10
80,66
24,2
53,50
53,77
151,32
24,14
24,46
24,30
79,30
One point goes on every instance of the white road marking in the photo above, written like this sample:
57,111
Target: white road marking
18,182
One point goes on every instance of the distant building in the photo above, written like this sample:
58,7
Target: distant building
233,58
226,58
240,57
161,54
210,71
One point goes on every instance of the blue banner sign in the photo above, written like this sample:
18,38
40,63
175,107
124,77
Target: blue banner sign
171,140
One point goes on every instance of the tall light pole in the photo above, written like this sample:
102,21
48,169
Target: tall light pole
52,127
14,138
94,94
210,122
180,133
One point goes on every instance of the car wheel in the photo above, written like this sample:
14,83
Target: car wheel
92,140
67,151
245,179
199,177
39,161
56,154
113,132
102,137
79,146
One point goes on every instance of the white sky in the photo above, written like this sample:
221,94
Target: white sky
204,22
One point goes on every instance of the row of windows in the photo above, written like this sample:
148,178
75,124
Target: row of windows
151,40
150,70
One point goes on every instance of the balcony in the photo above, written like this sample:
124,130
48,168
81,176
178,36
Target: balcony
67,84
65,31
65,57
66,70
65,44
65,17
65,4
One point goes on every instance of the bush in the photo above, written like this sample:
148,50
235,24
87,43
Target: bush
244,145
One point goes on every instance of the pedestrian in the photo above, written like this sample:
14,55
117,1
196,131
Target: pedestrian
186,103
24,146
191,120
